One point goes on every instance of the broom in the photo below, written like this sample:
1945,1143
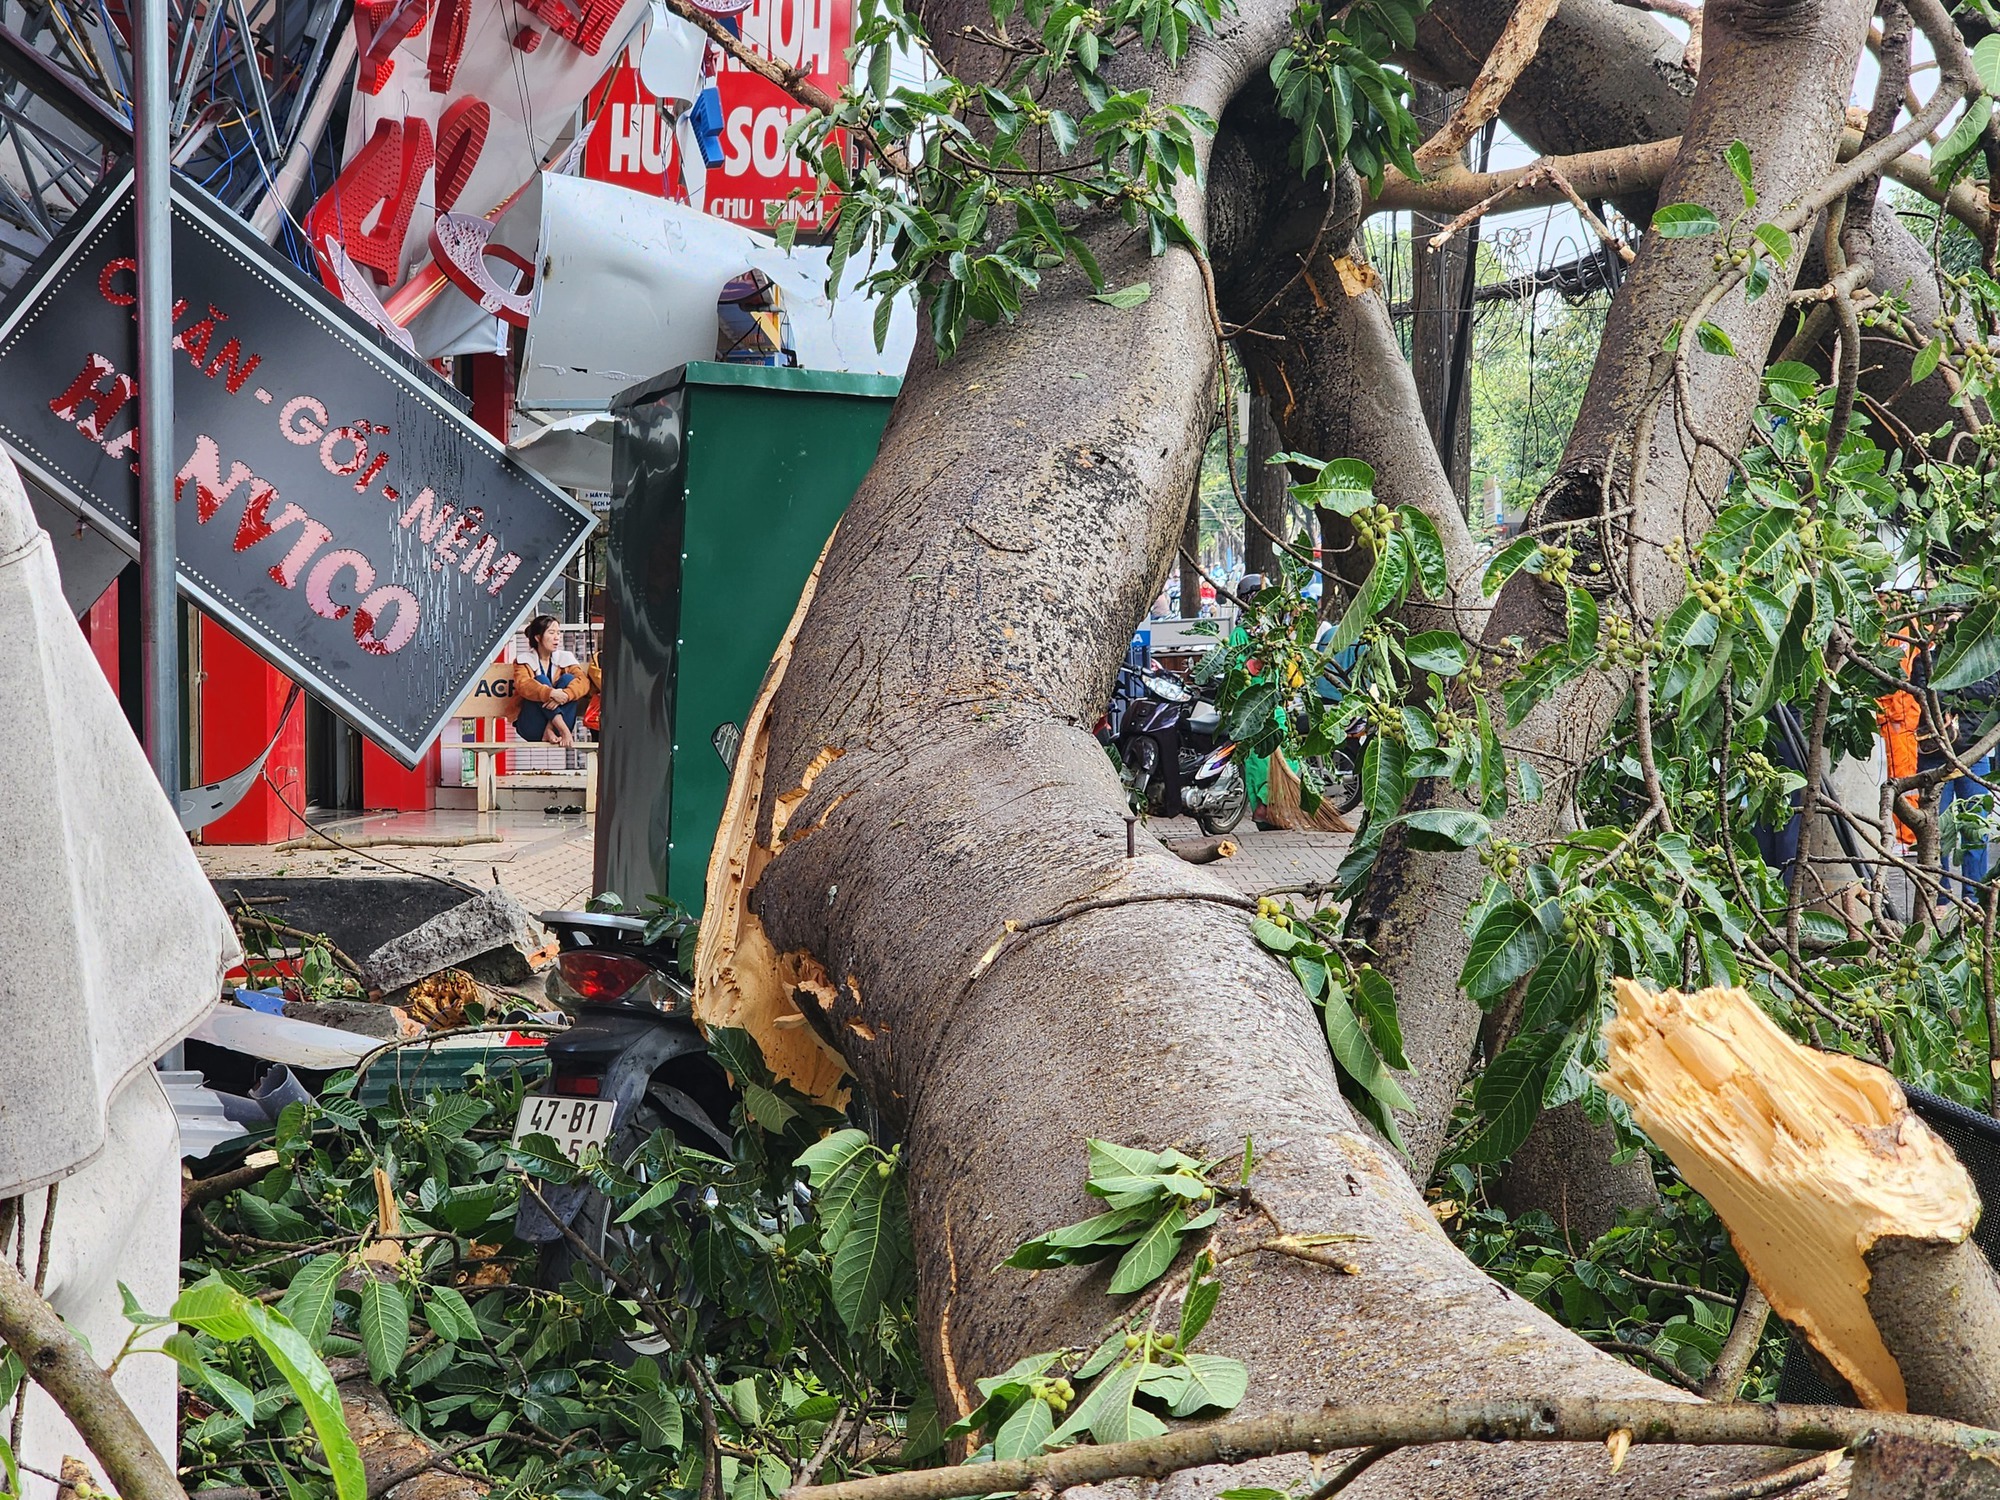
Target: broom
1282,804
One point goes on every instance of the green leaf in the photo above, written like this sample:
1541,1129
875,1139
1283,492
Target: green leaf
225,1313
1197,1309
870,1254
1426,550
1507,945
1788,657
767,1107
1986,63
1360,611
830,1156
539,1156
1357,1055
1272,936
1382,780
1684,221
658,1417
1085,1241
1375,998
1507,563
1580,613
1126,296
1213,1382
1956,149
1927,358
308,1301
1438,651
1022,1434
1714,341
1557,987
233,1393
1546,671
1150,1255
1775,240
385,1326
1342,485
1971,650
1117,1417
1508,1096
1738,156
1439,828
450,1315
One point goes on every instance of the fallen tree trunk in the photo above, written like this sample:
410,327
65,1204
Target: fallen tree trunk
400,1464
965,629
1852,1216
929,765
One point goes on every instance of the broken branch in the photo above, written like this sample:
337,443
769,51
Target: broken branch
1849,1213
57,1362
1514,50
1410,1424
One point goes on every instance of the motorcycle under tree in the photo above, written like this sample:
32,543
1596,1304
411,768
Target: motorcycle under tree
1166,742
633,1063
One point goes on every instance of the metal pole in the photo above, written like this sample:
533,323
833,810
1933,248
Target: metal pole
159,640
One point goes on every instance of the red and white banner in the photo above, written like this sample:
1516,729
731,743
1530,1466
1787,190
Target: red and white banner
632,146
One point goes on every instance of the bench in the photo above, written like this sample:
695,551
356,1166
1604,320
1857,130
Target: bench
486,767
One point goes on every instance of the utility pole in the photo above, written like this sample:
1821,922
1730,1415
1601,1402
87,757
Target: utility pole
159,639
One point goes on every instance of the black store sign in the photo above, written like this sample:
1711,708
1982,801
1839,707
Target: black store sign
334,509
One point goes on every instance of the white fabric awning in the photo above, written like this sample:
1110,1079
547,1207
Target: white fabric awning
112,944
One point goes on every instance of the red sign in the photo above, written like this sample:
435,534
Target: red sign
630,141
631,145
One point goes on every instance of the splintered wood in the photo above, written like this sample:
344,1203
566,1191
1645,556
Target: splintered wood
1809,1158
740,979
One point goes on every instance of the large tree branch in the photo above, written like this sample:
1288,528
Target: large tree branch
57,1361
1488,91
1409,1424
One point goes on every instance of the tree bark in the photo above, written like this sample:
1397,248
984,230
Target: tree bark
1263,489
400,1464
1190,552
929,751
1775,76
1441,312
954,678
1565,1169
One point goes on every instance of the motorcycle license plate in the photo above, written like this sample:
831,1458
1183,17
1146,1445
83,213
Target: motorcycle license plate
1217,759
573,1124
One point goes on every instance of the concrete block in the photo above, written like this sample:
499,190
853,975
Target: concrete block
492,934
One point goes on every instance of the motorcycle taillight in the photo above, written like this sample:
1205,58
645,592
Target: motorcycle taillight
600,976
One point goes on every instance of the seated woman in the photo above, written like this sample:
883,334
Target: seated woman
550,685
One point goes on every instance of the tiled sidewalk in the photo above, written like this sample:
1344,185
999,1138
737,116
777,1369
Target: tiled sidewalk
1263,860
543,861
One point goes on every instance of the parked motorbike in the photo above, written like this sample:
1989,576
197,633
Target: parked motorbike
1167,742
632,1063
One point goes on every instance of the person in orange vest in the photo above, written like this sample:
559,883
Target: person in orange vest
1899,717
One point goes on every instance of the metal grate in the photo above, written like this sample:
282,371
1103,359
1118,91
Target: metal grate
1976,1140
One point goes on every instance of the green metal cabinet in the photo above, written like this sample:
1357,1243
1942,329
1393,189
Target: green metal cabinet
727,481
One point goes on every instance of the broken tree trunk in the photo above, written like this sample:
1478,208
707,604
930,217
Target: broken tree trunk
1850,1214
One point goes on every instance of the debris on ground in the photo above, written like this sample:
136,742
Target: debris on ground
492,936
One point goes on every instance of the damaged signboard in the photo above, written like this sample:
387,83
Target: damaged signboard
334,507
